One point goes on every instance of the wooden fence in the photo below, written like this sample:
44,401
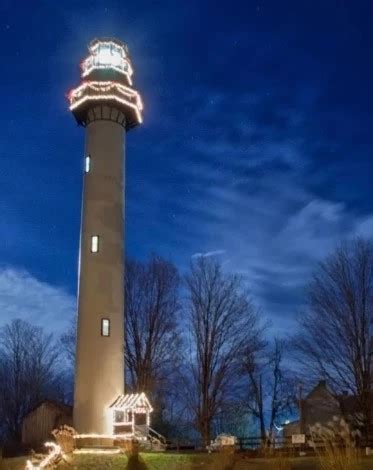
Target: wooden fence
255,443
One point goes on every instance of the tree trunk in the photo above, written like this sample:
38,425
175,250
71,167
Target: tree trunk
205,431
263,435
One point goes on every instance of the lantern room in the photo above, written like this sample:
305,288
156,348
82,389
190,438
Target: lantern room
106,91
108,59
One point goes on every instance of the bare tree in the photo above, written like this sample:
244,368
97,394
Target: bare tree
222,323
272,390
28,360
282,387
253,366
336,337
152,339
68,342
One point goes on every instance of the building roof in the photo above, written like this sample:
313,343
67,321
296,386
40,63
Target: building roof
62,407
321,390
132,401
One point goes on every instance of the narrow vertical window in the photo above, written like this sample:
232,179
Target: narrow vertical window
105,327
94,244
87,163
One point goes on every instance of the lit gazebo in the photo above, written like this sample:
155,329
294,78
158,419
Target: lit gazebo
131,415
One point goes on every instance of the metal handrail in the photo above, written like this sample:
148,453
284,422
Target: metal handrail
160,437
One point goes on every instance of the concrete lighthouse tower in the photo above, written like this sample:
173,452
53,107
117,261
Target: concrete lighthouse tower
107,106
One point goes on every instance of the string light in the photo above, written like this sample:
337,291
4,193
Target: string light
107,97
135,403
88,69
78,95
55,452
106,86
108,54
97,44
102,436
97,451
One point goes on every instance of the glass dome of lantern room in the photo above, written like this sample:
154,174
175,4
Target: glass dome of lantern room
108,60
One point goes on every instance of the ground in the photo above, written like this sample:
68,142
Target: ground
173,461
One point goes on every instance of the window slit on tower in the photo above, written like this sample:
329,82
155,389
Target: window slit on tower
94,244
105,327
87,163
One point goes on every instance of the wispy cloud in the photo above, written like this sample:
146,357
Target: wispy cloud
23,296
208,254
252,194
264,163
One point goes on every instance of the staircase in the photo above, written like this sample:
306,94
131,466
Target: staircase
96,445
150,439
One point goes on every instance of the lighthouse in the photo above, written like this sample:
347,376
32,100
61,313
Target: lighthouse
106,105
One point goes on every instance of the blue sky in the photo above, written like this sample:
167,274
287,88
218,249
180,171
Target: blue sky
256,146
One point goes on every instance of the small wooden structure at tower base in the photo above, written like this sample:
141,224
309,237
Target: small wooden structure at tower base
38,424
131,415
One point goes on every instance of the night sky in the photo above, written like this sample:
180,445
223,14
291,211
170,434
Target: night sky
256,147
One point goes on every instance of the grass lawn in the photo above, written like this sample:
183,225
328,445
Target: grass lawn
176,461
150,461
18,463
